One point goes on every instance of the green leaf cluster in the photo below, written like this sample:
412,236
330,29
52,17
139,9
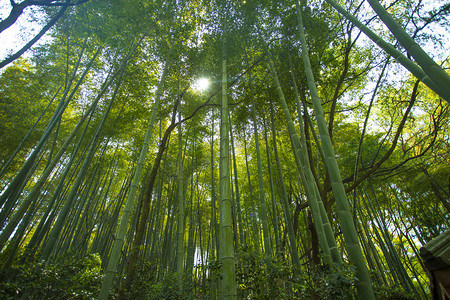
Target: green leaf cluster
71,278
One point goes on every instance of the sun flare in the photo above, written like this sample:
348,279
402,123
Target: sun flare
201,84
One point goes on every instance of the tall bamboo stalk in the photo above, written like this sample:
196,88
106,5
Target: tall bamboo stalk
56,230
272,193
328,231
417,71
15,188
303,168
237,193
180,242
262,197
114,258
227,281
284,202
256,239
364,285
213,223
439,77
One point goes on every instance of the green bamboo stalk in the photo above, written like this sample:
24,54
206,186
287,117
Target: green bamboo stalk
150,232
157,229
50,205
42,236
364,285
363,131
145,204
180,216
417,71
213,223
15,188
167,231
390,260
90,217
13,245
286,209
431,68
56,230
328,230
78,240
272,192
233,202
172,240
227,281
302,163
403,208
262,197
25,138
35,191
386,233
110,222
366,248
192,228
252,203
74,222
379,266
101,208
404,232
13,191
237,193
114,258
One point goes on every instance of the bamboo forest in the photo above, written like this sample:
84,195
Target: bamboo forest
221,149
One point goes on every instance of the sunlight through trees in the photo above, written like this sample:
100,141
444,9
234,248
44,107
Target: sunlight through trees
225,150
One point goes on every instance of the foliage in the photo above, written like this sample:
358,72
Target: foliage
71,278
145,285
267,278
140,283
392,292
256,278
22,100
80,278
331,282
166,288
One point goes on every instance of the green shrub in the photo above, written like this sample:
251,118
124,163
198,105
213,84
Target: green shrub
71,278
392,292
267,278
331,282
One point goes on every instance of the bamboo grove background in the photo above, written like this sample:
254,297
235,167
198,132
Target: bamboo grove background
315,165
